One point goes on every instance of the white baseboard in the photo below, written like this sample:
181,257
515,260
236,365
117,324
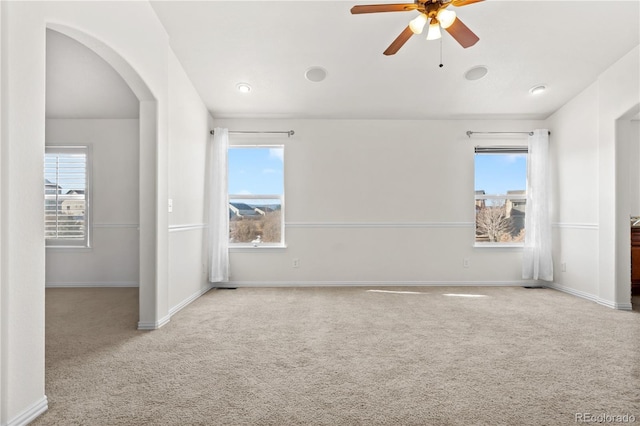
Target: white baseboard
153,325
188,300
30,414
591,297
520,283
615,305
573,292
91,284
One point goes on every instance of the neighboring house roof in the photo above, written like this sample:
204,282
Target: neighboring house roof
242,209
241,206
245,210
269,208
51,188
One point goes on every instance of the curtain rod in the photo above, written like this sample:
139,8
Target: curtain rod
469,133
289,133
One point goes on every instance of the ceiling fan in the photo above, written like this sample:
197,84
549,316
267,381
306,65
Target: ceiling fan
432,11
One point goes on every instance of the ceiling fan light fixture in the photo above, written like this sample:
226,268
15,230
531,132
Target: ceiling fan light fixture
433,10
434,30
417,24
446,18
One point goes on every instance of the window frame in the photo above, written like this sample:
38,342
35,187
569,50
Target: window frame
281,198
68,243
506,150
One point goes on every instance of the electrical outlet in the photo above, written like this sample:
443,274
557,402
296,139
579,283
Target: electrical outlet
296,263
170,205
563,266
466,262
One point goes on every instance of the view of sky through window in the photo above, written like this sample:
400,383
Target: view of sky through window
255,171
66,170
511,175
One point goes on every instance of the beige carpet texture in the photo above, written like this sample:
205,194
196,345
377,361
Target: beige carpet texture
342,356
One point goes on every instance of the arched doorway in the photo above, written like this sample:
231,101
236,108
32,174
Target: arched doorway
147,186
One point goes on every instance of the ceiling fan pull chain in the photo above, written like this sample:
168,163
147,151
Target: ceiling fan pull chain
441,64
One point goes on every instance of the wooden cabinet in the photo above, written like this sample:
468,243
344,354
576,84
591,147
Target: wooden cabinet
635,261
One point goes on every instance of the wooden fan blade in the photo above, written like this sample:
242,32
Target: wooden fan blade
458,3
462,34
399,41
376,8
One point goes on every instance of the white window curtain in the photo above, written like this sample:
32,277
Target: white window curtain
537,262
218,207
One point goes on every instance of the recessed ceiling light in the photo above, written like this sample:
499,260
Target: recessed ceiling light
476,73
536,90
243,87
315,74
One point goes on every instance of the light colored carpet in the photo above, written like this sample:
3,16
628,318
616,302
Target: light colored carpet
341,356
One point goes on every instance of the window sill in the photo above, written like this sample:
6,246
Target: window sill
498,245
250,247
70,248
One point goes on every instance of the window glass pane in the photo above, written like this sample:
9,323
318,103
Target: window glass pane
500,197
65,183
255,220
256,170
500,221
256,195
499,174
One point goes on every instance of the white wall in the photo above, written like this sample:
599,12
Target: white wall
189,124
130,37
80,84
378,202
574,152
594,187
3,108
112,259
619,101
634,173
22,369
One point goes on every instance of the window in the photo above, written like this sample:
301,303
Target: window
256,196
500,195
65,197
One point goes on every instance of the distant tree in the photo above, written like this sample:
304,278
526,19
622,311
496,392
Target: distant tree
492,223
245,230
271,225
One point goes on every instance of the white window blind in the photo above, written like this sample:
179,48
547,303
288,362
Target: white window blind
65,196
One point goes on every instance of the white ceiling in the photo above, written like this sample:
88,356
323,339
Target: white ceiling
80,84
270,44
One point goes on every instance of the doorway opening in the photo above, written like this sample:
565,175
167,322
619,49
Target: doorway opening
627,139
94,98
